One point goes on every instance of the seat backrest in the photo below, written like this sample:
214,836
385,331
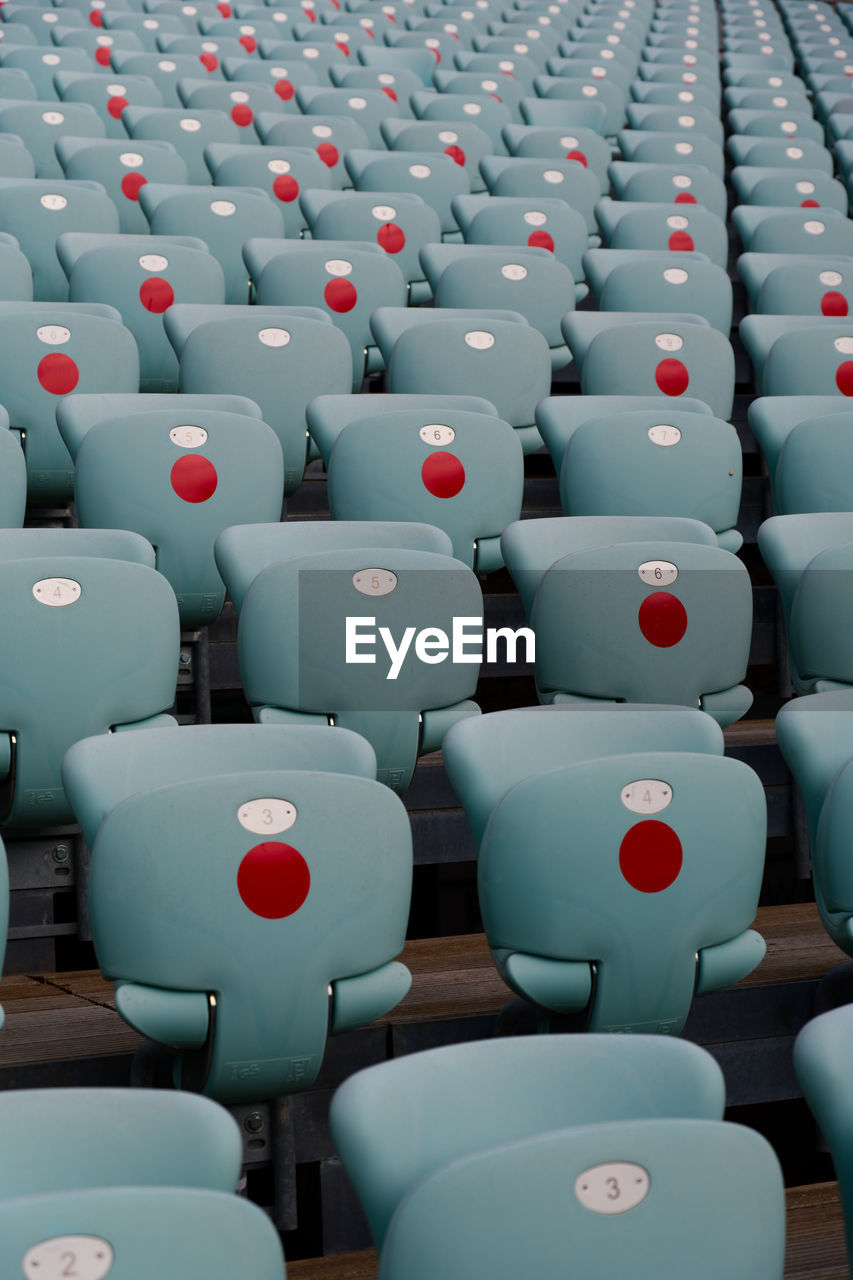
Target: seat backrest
456,1220
188,131
40,124
817,633
683,183
542,224
436,179
327,903
152,1138
819,287
797,231
564,179
821,1056
548,141
604,882
699,289
109,97
329,415
37,211
280,171
812,360
178,479
679,228
399,1121
529,281
330,136
464,143
464,474
122,169
140,1230
812,471
399,223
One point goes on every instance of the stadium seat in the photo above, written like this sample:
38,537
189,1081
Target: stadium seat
582,145
75,415
803,284
540,223
677,227
480,109
108,96
121,169
343,886
800,355
328,415
778,153
821,1054
37,211
797,188
280,171
700,289
278,356
537,179
330,136
41,63
436,179
367,107
122,271
166,70
464,474
41,124
685,183
558,417
397,1122
645,146
16,277
241,102
463,142
188,131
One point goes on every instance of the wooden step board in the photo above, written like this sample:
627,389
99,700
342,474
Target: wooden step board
55,1017
815,1246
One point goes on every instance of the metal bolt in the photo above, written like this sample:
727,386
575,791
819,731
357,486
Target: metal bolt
60,853
254,1122
185,658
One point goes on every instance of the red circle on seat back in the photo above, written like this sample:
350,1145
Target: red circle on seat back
541,240
340,295
102,57
844,378
242,114
833,304
650,856
443,475
156,294
96,17
342,48
684,197
273,880
389,93
130,184
391,237
225,10
662,619
249,43
579,156
286,188
194,478
328,153
455,153
680,242
115,106
58,373
209,60
672,377
284,89
810,204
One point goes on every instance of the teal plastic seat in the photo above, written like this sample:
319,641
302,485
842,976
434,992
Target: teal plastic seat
330,136
16,277
478,108
674,358
348,279
31,59
685,184
75,415
778,153
224,219
609,888
284,79
808,286
308,679
421,61
283,172
552,142
189,132
525,280
315,54
473,353
15,159
166,70
821,1055
140,1230
179,479
678,227
673,95
335,895
531,178
147,26
109,97
151,1138
121,169
106,658
564,113
122,270
809,357
456,1219
780,187
540,223
463,142
606,92
40,124
464,474
773,418
37,211
765,229
436,179
651,637
646,146
13,477
278,356
50,350
241,102
643,463
328,415
652,118
398,222
699,289
505,89
367,107
581,327
558,417
399,1121
599,263
811,473
754,268
397,86
775,124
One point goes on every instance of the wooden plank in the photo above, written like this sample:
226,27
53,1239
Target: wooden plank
341,1266
798,947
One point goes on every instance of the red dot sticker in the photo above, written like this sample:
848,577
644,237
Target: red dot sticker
273,880
96,18
650,856
130,184
102,57
579,156
342,48
437,55
249,43
209,60
662,619
391,237
672,377
443,475
389,93
541,240
194,478
684,197
844,378
810,204
833,304
115,106
284,89
328,153
156,294
58,374
681,242
340,296
242,114
286,188
225,10
455,153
